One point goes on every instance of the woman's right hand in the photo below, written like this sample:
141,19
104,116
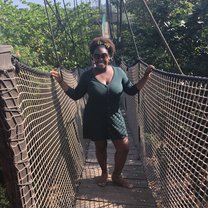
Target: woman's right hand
56,75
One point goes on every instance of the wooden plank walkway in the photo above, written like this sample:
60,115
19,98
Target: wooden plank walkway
90,195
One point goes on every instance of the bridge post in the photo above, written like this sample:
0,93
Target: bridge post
13,150
5,56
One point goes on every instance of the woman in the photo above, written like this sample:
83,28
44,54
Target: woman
102,118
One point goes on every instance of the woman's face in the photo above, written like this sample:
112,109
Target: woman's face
101,57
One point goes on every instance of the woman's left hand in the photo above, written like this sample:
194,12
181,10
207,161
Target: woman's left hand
149,70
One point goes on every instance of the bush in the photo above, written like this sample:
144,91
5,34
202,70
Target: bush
4,203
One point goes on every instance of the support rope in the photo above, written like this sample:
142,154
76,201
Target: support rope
52,33
67,33
130,28
163,38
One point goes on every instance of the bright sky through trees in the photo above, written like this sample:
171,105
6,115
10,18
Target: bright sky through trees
20,5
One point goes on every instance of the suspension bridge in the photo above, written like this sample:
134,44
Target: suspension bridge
47,163
44,153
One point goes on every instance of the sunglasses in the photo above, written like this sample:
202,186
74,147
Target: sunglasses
98,56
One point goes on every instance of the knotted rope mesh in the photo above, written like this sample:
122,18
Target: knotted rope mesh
45,138
173,124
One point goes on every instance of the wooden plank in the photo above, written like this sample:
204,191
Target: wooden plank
100,204
115,194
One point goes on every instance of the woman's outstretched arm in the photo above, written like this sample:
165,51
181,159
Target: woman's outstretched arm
74,93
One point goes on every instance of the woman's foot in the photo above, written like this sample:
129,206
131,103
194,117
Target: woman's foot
102,180
120,181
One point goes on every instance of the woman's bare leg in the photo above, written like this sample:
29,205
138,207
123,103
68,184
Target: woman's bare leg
122,149
101,155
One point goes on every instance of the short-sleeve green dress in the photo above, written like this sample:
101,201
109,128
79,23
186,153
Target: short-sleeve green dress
102,117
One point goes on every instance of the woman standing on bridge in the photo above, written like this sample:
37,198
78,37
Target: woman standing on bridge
102,118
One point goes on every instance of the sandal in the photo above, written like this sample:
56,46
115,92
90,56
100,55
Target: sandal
102,180
120,181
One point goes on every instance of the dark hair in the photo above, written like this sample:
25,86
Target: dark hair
102,41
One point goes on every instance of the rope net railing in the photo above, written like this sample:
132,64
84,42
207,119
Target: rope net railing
41,134
173,126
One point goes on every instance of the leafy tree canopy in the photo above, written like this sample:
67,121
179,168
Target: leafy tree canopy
29,32
184,24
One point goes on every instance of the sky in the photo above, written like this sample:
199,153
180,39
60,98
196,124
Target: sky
20,5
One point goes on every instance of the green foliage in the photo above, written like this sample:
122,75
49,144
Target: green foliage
4,203
184,24
28,31
20,28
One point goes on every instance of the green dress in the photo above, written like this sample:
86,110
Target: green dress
102,117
